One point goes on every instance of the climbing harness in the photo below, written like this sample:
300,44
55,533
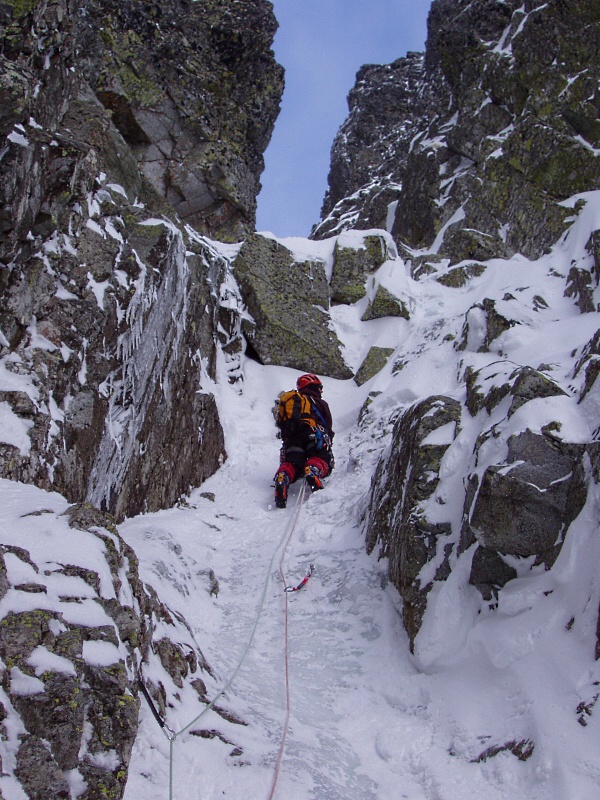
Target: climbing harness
303,582
169,733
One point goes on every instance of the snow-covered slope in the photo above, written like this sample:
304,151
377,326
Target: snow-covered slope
496,701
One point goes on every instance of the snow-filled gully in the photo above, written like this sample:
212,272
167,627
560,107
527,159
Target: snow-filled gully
365,722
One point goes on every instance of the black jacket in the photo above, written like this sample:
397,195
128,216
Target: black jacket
322,406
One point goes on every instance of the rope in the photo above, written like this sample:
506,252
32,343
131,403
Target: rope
286,724
171,735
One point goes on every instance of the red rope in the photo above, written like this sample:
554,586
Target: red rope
286,724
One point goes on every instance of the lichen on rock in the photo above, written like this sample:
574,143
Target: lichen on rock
374,362
288,302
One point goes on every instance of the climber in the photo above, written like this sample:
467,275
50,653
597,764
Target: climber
305,425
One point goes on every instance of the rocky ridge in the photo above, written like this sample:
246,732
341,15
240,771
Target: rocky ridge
483,147
469,151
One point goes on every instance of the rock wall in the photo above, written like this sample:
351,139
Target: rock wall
194,90
80,636
521,489
481,148
468,151
123,124
128,131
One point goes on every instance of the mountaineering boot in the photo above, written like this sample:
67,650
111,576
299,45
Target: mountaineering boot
282,482
313,478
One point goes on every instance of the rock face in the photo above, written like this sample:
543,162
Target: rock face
478,141
121,123
72,659
104,361
194,90
388,105
405,479
523,489
288,302
477,150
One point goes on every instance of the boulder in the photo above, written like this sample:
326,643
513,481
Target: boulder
352,265
483,324
287,302
529,384
458,277
487,387
385,304
38,772
580,285
374,362
524,506
467,245
490,572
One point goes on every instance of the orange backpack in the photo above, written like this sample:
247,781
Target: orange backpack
293,411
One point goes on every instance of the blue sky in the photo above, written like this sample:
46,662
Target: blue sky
322,44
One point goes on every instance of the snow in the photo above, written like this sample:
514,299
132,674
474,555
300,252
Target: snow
13,429
12,381
93,226
369,720
444,435
391,216
18,138
100,654
307,250
22,684
98,288
42,660
64,294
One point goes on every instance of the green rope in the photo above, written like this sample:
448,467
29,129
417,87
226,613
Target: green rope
171,746
174,736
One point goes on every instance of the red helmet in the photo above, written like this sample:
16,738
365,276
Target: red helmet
308,380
